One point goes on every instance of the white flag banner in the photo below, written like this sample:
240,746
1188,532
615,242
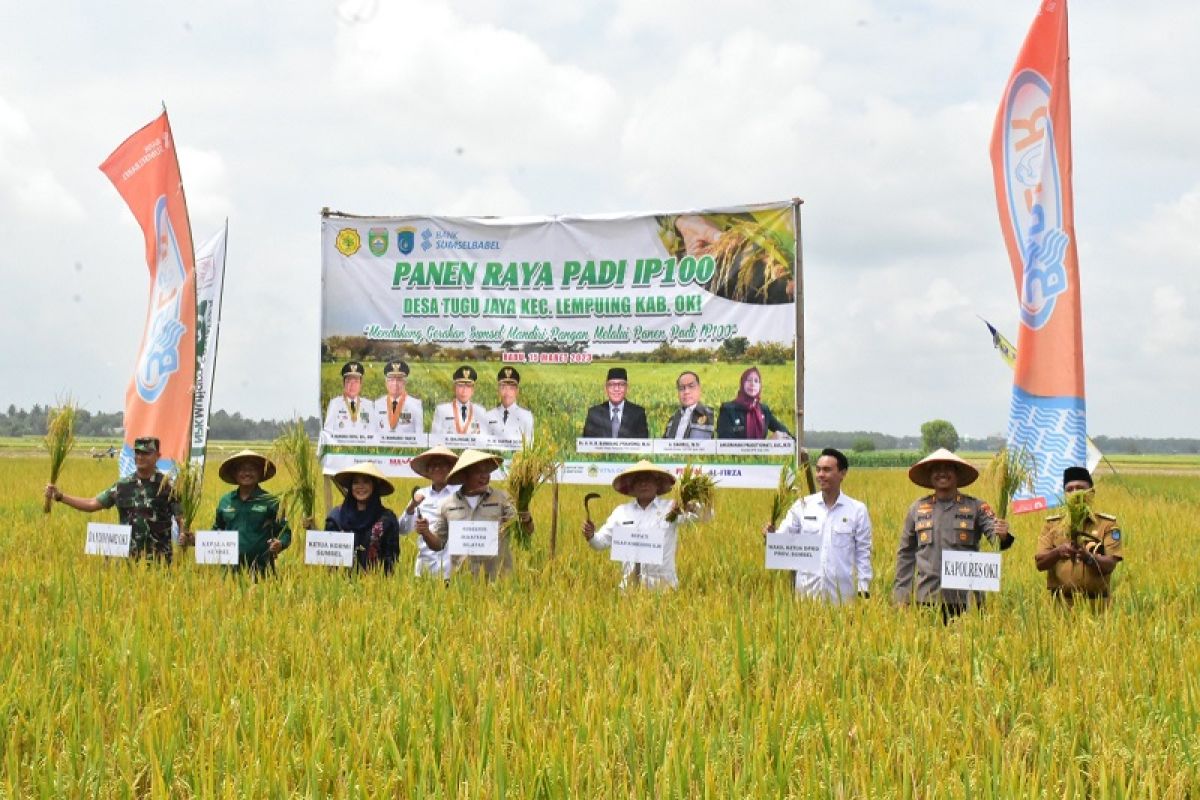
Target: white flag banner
210,283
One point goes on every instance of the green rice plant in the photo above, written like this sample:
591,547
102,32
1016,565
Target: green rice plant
1076,510
294,450
786,493
60,438
187,482
537,462
695,492
1009,472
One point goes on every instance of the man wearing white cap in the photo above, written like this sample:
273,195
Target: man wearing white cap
648,510
944,520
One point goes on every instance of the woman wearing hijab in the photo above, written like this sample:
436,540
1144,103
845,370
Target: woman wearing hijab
746,416
375,528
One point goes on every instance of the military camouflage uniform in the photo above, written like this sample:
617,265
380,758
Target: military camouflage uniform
146,506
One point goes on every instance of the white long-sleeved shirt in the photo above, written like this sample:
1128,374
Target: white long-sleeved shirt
429,561
845,529
653,516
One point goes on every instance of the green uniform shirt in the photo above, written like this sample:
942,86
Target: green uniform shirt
145,505
256,521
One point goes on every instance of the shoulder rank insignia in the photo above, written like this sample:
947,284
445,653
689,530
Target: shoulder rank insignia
1108,517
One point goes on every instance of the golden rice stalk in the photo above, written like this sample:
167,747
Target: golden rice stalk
695,491
60,438
1076,511
744,245
786,493
537,462
186,484
1009,472
294,450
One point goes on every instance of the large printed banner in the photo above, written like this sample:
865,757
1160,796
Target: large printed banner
1031,162
666,336
158,402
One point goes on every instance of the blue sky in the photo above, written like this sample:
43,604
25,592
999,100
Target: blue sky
877,114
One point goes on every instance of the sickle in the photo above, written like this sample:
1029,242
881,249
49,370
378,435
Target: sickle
588,498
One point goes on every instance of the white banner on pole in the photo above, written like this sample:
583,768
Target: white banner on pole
210,283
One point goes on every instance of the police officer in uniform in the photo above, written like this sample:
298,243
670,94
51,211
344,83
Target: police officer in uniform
349,413
1079,567
461,417
397,411
143,501
508,420
944,520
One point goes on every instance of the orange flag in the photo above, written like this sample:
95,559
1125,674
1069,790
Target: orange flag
1031,165
145,170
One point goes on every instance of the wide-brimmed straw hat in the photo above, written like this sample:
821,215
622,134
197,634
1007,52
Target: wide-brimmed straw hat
470,458
420,464
383,486
229,466
623,483
919,472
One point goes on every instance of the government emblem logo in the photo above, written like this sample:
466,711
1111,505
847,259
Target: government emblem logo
377,241
348,241
406,239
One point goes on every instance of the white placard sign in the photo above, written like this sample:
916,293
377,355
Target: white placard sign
106,539
216,547
329,548
979,572
474,538
641,545
800,552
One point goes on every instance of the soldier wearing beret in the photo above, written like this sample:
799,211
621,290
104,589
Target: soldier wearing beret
618,418
397,411
461,417
944,520
508,420
349,414
1079,566
143,502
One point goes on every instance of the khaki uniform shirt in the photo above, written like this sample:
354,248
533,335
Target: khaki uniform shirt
494,504
1077,576
930,527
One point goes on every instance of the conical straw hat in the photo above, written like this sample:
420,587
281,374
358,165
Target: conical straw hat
919,472
229,467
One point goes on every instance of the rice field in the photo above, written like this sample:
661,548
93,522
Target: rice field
123,680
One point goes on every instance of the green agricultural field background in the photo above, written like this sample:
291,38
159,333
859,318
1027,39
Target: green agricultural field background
560,394
122,680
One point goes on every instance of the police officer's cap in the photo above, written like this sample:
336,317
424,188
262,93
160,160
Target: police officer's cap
393,369
508,375
352,369
146,444
1077,474
465,374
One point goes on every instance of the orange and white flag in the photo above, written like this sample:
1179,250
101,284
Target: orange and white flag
1031,165
158,402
